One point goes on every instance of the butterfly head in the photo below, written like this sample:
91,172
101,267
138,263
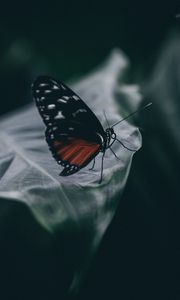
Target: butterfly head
110,134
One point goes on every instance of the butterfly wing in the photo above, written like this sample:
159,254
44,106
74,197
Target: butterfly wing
56,101
74,134
73,154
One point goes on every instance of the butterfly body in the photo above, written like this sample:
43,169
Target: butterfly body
74,134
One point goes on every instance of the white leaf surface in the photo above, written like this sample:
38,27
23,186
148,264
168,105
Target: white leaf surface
29,174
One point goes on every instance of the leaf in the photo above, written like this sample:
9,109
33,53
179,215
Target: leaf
77,204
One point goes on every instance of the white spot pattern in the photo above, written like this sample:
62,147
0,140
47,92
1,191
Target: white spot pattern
65,97
47,91
75,97
59,115
62,100
51,106
55,87
79,111
43,84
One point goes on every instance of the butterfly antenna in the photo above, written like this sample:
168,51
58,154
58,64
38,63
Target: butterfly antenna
133,113
106,119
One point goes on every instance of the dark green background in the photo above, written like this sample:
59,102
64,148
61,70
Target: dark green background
68,38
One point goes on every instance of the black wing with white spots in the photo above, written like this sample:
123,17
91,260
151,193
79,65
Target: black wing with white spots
73,133
57,102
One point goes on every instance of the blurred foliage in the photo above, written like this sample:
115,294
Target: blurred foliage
67,39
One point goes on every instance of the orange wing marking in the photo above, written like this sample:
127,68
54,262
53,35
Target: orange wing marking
76,151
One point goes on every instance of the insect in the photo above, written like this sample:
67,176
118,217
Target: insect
74,134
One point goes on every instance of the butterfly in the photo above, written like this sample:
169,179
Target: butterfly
73,132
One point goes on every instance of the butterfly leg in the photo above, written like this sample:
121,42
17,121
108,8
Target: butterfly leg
114,153
92,168
102,161
133,150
